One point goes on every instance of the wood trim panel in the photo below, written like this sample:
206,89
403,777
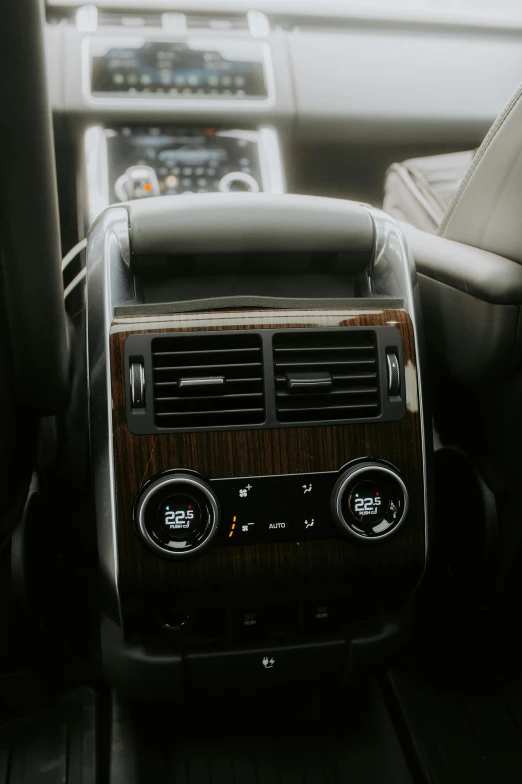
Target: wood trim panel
374,575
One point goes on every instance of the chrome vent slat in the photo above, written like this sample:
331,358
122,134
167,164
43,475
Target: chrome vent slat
207,397
228,365
235,381
346,358
229,358
324,363
210,351
368,376
211,413
334,393
322,349
330,408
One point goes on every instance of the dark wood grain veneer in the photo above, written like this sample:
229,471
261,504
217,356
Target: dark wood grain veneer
379,574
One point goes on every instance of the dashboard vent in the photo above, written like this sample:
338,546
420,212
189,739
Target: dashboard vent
329,375
129,20
208,380
216,23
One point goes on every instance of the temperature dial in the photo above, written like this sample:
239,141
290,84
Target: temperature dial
369,501
177,515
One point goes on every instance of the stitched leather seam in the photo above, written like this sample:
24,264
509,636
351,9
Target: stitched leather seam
408,181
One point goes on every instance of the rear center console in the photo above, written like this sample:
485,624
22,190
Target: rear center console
258,439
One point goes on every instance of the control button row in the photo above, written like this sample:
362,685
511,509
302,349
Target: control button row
318,618
253,622
275,508
242,531
187,171
173,184
180,514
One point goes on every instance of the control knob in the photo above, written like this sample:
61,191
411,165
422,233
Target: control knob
238,182
369,501
138,182
177,515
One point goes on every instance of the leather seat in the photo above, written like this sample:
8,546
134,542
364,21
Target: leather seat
485,208
421,190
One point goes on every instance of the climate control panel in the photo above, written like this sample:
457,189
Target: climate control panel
181,514
170,160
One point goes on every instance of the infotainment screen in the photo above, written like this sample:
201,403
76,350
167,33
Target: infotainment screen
184,69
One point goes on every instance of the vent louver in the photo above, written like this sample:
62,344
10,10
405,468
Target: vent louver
329,375
216,23
208,380
129,20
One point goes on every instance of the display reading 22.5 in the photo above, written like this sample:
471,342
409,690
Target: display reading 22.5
180,518
367,506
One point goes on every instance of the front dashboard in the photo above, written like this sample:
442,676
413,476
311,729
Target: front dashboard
335,78
335,99
151,92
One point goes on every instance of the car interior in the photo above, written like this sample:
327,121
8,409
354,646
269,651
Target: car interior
261,392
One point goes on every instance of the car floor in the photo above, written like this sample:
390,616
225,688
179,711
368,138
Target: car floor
299,739
419,724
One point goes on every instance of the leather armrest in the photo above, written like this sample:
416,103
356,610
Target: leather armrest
477,272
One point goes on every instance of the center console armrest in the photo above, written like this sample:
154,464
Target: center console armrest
471,270
234,223
472,299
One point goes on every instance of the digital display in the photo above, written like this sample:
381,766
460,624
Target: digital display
179,516
184,69
369,501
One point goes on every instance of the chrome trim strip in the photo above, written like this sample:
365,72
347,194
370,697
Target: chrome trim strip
109,283
138,102
96,164
87,19
258,24
393,275
271,161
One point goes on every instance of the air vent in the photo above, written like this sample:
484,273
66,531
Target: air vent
129,20
216,23
208,380
329,375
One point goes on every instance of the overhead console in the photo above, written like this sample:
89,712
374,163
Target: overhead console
258,450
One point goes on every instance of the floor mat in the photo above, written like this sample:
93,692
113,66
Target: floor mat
56,746
225,745
463,727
